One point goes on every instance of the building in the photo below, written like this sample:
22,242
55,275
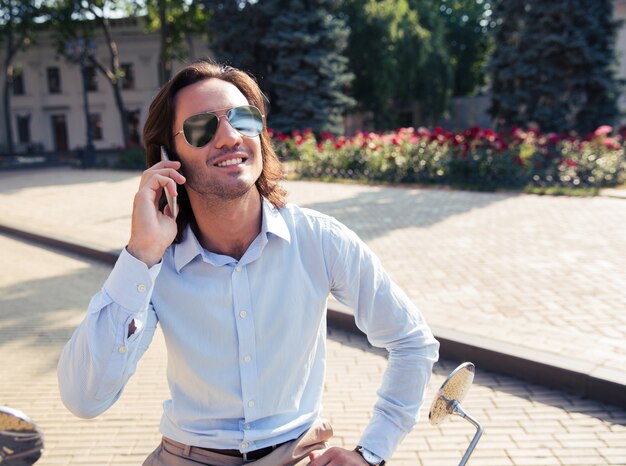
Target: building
47,103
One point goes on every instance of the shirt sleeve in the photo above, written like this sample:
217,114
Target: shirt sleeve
390,320
99,359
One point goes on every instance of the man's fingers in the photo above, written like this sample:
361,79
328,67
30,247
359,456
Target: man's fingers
170,172
322,457
151,190
175,164
336,456
315,454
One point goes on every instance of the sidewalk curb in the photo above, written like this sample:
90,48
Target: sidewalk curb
554,371
559,372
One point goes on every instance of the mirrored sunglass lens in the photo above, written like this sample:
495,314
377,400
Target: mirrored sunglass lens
200,129
247,120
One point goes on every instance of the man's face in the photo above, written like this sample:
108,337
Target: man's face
228,166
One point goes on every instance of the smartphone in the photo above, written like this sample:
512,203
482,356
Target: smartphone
171,200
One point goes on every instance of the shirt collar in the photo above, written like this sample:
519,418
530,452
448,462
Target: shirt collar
273,222
189,248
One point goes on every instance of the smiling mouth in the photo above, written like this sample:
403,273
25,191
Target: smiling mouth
229,162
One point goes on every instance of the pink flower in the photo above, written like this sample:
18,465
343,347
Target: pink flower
603,130
611,143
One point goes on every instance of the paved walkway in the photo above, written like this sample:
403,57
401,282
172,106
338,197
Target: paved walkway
542,273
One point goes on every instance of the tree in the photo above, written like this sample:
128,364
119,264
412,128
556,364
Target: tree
237,29
435,79
310,78
176,22
400,52
295,49
553,65
387,49
74,20
468,27
18,24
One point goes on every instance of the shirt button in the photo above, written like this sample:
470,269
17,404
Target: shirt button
238,268
251,404
247,358
244,445
122,349
246,426
141,288
243,314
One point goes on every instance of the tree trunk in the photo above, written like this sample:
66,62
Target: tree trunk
119,102
8,80
113,75
164,63
8,76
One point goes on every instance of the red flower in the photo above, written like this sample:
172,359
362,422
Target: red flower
570,163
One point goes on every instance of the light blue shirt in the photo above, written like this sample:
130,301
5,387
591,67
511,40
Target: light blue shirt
246,340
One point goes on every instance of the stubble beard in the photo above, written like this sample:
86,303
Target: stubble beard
214,192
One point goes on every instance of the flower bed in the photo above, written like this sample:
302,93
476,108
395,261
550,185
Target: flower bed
478,157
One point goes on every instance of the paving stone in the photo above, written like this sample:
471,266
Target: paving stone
520,268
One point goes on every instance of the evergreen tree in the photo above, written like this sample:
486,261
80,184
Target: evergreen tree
295,49
236,32
309,79
553,65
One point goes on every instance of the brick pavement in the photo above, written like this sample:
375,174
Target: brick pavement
543,275
42,298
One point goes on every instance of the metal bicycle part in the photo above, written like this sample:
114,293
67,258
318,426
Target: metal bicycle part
448,401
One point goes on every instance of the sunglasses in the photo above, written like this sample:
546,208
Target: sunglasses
200,129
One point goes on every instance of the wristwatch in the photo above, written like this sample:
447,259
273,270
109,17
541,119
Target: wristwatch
371,458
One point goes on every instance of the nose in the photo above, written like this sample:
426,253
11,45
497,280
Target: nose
226,135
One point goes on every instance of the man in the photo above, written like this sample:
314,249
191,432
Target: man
239,283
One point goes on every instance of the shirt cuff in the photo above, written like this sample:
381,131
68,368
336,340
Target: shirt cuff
131,282
382,436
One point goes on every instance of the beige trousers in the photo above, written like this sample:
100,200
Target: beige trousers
294,453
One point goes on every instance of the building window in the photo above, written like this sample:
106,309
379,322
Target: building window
18,82
90,77
23,129
54,80
133,127
95,120
128,81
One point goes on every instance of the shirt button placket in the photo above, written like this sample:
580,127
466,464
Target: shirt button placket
247,341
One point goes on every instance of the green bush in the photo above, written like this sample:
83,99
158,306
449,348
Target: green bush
476,157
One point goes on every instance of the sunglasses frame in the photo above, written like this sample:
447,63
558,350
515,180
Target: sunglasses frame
219,122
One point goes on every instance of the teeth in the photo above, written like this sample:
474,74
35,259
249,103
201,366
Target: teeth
229,162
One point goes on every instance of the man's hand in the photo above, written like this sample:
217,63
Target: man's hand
152,231
336,456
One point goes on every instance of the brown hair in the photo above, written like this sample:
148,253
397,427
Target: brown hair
157,131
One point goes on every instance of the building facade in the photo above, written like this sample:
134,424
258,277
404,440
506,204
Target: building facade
47,98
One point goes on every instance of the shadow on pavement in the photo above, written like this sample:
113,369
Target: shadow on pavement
373,213
15,181
511,390
38,315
